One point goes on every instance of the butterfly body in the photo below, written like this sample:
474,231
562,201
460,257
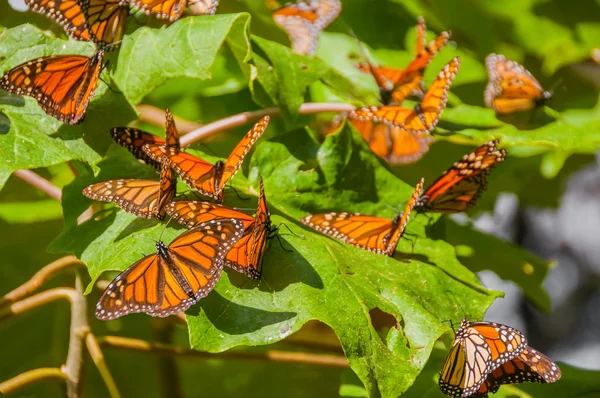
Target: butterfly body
175,277
246,255
511,87
62,85
375,234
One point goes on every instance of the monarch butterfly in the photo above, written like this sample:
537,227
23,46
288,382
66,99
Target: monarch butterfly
529,366
144,198
304,20
378,235
246,255
397,84
425,116
484,349
134,140
394,144
462,184
62,85
102,21
175,277
203,176
173,9
511,87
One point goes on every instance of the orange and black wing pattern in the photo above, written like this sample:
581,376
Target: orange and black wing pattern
304,21
236,158
375,234
106,19
425,116
144,198
162,9
246,255
479,348
461,186
175,277
62,85
529,366
67,13
511,88
397,84
394,144
203,7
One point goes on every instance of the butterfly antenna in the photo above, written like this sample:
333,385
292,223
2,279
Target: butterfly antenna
557,83
164,229
458,302
367,59
237,193
213,153
274,230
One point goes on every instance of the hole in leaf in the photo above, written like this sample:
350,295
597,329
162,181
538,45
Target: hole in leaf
382,323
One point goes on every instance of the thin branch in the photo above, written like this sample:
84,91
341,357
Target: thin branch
98,358
73,366
31,377
38,300
40,183
156,116
47,272
168,377
271,355
245,117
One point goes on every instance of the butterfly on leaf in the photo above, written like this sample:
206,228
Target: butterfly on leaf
175,277
304,20
144,198
61,84
396,84
173,9
135,140
375,234
100,21
207,178
422,118
481,356
246,255
462,184
511,87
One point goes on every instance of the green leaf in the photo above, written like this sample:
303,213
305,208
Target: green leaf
187,48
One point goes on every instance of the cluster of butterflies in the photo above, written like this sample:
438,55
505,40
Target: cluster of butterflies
63,85
180,274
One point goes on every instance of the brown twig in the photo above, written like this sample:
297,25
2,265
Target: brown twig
73,366
31,377
156,116
245,117
271,355
98,357
40,183
38,300
40,277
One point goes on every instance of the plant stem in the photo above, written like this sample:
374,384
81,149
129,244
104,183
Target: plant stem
31,377
40,183
156,116
38,300
74,364
245,117
168,377
98,358
271,355
36,281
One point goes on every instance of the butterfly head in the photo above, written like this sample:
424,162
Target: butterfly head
162,249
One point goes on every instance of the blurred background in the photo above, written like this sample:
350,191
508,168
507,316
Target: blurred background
554,213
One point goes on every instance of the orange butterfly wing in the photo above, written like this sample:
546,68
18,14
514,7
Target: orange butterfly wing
67,13
511,87
134,140
144,198
425,116
479,348
163,9
529,366
379,235
247,254
395,145
174,278
203,7
461,186
62,85
106,19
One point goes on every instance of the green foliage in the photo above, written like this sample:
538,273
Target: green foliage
205,68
